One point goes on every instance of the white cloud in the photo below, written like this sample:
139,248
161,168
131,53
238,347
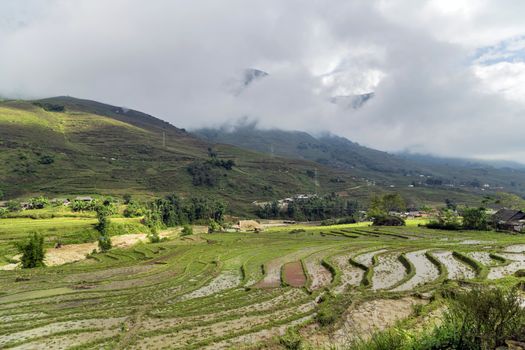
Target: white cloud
173,58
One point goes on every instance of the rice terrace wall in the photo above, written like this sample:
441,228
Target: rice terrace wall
227,290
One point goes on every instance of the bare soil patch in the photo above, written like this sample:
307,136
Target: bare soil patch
294,274
372,316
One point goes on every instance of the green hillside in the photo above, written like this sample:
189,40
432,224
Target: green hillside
71,146
386,170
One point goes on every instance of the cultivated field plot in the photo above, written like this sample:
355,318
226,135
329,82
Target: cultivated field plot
233,290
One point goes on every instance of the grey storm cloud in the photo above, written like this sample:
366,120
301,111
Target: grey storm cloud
178,60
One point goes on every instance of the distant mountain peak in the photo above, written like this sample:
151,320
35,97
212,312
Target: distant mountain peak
252,74
246,78
352,101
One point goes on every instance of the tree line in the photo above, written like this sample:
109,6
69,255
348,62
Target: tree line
315,208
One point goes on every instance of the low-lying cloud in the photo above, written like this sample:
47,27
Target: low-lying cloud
446,74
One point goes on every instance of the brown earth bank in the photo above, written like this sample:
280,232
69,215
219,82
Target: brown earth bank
294,274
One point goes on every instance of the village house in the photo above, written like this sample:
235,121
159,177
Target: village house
509,219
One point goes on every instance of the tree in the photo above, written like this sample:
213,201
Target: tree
1,194
475,219
104,240
450,204
446,220
32,251
381,206
388,220
133,210
393,202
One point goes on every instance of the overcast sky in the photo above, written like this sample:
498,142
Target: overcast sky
448,75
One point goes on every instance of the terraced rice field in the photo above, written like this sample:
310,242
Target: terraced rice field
232,290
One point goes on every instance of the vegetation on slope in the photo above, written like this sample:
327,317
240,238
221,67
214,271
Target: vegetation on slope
89,147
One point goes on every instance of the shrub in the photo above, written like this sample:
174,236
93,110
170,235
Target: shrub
391,339
214,226
186,230
154,235
32,251
14,206
127,198
3,212
446,220
46,159
38,202
203,175
487,317
291,339
330,308
297,230
341,221
133,210
79,206
325,316
388,220
50,107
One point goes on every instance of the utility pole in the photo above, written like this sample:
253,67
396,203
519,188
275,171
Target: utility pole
271,150
316,180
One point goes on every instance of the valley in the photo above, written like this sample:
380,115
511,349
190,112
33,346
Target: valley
237,290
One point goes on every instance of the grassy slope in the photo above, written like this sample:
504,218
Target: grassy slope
103,149
383,168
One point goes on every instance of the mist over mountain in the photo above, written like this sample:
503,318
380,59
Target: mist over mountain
387,169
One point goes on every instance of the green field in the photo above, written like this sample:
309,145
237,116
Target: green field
228,290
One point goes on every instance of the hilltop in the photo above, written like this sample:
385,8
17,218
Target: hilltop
65,145
425,173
